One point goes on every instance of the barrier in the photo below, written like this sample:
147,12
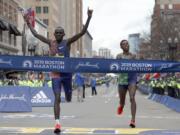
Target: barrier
164,100
169,102
145,89
22,99
95,65
15,99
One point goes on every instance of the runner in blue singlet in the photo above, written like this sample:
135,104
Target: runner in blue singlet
60,47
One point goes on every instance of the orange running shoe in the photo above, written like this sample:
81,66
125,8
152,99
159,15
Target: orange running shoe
132,124
57,128
120,110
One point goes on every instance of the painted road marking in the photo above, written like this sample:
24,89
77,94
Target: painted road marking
64,117
69,130
35,115
78,130
161,132
152,117
104,132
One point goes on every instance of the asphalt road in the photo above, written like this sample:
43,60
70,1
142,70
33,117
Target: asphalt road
96,115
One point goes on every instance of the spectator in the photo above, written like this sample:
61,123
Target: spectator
93,86
79,83
84,86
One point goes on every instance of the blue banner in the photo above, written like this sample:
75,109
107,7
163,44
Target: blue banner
88,65
15,99
42,97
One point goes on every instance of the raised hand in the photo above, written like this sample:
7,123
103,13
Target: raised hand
83,31
89,12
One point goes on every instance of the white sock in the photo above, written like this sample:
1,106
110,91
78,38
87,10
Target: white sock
57,121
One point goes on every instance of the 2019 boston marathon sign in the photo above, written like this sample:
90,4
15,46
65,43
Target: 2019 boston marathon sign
89,65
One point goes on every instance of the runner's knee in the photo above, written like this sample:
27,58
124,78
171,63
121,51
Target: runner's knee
57,98
132,99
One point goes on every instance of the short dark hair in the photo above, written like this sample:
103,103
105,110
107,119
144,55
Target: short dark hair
59,27
122,41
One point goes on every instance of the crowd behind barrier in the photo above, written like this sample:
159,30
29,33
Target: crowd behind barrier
40,91
163,85
30,83
164,90
41,79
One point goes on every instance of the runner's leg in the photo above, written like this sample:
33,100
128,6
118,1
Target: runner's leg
56,86
67,84
132,92
122,90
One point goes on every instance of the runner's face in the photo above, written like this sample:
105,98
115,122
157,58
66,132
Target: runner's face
59,34
125,46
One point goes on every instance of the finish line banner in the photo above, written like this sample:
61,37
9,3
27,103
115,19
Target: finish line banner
86,65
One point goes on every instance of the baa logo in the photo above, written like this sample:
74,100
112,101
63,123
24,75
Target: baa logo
114,67
27,63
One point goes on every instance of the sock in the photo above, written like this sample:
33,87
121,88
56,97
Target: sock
57,121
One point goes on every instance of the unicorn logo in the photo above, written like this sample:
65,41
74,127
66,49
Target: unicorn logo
27,63
114,67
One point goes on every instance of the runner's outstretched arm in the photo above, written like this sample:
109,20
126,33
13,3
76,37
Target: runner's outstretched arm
34,32
77,36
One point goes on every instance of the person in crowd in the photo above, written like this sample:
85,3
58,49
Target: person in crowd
1,83
31,79
41,79
60,47
178,88
79,83
93,86
171,87
127,82
84,86
107,84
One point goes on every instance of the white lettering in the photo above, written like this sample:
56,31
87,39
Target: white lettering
12,97
42,100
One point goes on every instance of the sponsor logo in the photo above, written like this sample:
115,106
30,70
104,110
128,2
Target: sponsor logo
114,67
27,63
61,47
40,97
12,97
166,66
5,62
88,65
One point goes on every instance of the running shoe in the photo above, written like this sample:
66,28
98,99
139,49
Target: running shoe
132,124
120,110
57,128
